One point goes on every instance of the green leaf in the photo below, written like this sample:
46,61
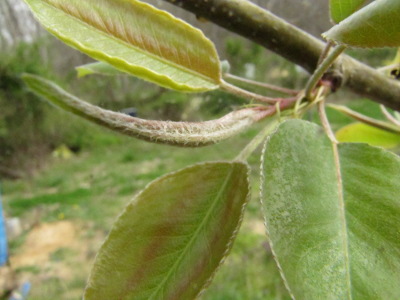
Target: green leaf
375,25
397,115
341,9
333,219
135,38
101,68
171,238
363,133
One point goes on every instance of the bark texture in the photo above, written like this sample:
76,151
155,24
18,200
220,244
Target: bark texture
259,25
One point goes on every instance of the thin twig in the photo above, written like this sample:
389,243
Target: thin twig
246,94
282,105
325,52
325,122
255,23
321,69
367,120
389,116
387,68
264,85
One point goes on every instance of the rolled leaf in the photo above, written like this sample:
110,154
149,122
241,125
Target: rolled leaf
333,215
100,68
188,134
375,25
171,238
135,38
363,133
341,9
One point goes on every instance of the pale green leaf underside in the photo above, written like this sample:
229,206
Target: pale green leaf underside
332,245
171,238
100,68
363,133
341,9
375,25
136,38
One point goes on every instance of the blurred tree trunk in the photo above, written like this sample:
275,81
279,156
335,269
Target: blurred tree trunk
16,24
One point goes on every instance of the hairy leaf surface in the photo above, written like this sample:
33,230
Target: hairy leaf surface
187,134
341,9
172,237
375,25
136,38
363,133
333,227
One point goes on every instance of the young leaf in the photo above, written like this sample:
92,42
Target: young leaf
135,38
341,9
397,115
375,25
363,133
333,216
99,67
172,237
188,134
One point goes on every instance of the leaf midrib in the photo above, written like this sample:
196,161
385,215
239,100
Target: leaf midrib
189,244
342,215
136,48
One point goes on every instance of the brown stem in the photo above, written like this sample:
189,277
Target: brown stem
365,119
275,34
268,86
232,89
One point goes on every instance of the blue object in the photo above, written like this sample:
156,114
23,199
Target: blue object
3,238
22,293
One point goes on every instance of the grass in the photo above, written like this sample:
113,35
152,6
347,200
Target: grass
92,188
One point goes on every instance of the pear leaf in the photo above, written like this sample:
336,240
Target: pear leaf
374,26
100,68
341,9
170,240
136,38
363,133
332,214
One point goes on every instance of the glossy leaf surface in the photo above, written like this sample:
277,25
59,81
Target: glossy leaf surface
172,237
341,9
334,227
375,25
363,133
136,38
